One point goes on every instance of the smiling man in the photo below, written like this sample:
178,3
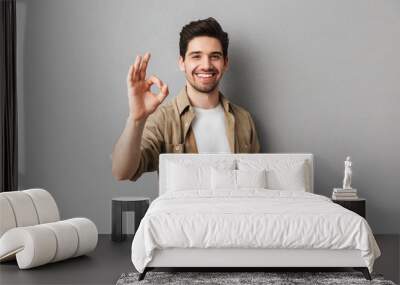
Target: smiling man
199,120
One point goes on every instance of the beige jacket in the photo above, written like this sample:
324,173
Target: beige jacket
168,130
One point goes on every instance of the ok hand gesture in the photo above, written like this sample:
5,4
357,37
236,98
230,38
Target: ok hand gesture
142,102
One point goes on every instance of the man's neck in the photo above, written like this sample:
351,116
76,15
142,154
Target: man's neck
202,100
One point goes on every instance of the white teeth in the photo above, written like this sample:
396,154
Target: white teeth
205,75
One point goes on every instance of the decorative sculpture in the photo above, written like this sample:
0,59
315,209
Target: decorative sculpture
347,174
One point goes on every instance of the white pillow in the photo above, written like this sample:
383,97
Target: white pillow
190,174
288,179
251,178
223,179
237,179
281,174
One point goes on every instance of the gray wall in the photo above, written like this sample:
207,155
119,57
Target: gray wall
318,76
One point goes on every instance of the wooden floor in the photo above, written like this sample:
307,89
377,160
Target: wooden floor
111,259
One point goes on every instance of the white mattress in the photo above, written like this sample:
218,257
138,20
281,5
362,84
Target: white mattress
250,218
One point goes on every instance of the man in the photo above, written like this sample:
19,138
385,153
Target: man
199,120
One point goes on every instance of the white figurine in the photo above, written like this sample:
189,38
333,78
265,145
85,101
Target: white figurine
347,174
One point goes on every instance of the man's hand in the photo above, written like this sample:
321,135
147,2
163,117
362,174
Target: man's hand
142,102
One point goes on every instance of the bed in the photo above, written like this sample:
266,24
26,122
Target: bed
247,210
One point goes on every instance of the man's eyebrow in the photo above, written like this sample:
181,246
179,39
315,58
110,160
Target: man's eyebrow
194,52
217,52
199,52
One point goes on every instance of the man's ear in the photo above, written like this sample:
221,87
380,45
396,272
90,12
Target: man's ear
181,63
226,64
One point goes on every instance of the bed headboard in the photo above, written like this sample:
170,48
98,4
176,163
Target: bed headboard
209,158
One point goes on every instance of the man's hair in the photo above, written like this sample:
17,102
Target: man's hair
207,27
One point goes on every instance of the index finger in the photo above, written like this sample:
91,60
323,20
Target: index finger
156,80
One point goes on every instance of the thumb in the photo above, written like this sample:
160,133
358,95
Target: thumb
163,93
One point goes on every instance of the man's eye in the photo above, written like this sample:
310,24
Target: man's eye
216,57
196,56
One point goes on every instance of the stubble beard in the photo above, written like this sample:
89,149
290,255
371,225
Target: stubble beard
205,89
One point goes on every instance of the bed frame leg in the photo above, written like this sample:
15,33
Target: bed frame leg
143,274
364,271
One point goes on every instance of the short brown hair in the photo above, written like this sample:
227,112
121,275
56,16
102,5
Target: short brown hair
207,27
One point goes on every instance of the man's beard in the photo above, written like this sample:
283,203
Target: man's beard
203,89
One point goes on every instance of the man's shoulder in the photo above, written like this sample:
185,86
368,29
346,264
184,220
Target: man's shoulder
171,105
239,110
234,108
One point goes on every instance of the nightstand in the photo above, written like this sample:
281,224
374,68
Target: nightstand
356,205
139,205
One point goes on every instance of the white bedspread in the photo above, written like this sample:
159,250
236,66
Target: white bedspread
251,218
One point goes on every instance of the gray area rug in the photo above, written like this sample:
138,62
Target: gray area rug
229,278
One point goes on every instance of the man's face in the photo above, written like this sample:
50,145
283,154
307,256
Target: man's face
204,63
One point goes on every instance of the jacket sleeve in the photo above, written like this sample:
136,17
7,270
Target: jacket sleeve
254,142
152,144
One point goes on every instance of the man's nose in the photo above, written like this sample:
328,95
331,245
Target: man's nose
206,62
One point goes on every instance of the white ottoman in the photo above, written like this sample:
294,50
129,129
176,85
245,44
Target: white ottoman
31,232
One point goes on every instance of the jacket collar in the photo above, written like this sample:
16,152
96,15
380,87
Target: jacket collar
183,101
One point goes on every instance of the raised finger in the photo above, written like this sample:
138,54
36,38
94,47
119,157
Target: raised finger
136,67
143,66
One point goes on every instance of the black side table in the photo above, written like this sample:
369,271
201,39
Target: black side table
356,205
139,205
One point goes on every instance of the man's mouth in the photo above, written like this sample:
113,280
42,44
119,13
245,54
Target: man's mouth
205,75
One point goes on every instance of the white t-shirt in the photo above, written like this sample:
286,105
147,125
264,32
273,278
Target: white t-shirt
210,130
